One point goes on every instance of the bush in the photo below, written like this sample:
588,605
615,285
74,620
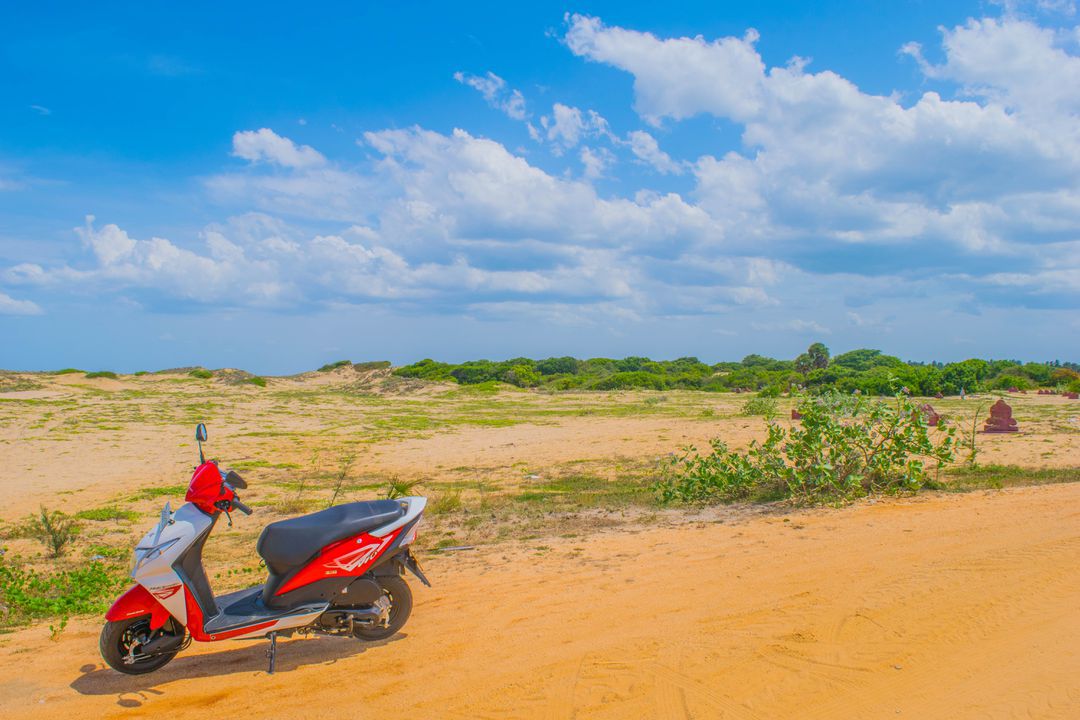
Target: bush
335,365
427,369
631,380
844,448
201,373
371,365
68,371
522,376
53,529
102,374
765,406
256,380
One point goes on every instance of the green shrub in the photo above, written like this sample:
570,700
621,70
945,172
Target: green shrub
256,380
140,373
522,376
201,373
844,448
426,370
631,380
765,406
371,365
102,374
68,371
335,365
53,529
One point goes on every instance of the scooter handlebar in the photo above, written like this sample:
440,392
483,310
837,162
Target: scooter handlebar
241,506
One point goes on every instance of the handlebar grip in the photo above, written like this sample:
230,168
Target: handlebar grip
241,506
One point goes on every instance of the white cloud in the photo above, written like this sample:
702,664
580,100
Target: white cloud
11,306
679,77
264,145
596,161
496,93
645,147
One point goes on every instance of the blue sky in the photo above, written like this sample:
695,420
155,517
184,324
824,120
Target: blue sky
273,188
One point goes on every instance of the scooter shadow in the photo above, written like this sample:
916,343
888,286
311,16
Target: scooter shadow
291,655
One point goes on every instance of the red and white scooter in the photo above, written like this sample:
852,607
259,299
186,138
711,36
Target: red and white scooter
336,572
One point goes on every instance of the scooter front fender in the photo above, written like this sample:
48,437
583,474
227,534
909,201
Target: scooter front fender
138,601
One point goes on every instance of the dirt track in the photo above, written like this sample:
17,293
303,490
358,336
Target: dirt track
938,607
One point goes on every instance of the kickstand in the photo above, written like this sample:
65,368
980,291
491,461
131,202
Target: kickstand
272,651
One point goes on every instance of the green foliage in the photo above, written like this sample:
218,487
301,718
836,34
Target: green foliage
371,365
844,448
53,529
256,380
400,488
26,595
765,406
201,373
68,371
102,374
335,365
866,370
630,380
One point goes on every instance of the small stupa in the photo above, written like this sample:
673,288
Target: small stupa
1001,419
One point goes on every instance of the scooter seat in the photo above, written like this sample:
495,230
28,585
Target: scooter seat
287,544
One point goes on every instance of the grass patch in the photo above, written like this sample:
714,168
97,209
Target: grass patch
446,503
252,464
68,371
201,373
149,493
102,374
996,477
28,595
256,380
105,514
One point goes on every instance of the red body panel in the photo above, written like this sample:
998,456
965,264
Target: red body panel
346,558
138,601
207,487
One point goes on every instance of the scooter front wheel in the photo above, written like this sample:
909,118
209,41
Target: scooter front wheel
122,641
397,592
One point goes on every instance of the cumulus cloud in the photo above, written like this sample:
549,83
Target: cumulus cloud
264,145
496,93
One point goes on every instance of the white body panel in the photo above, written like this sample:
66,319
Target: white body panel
416,506
159,549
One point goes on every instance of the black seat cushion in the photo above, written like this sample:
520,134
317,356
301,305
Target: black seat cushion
288,543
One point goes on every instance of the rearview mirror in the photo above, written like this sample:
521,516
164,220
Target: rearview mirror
200,432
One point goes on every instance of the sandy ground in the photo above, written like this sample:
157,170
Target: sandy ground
943,606
103,444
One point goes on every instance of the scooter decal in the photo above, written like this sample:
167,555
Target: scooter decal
164,593
352,560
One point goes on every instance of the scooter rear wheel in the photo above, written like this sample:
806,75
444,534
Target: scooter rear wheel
118,637
397,591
